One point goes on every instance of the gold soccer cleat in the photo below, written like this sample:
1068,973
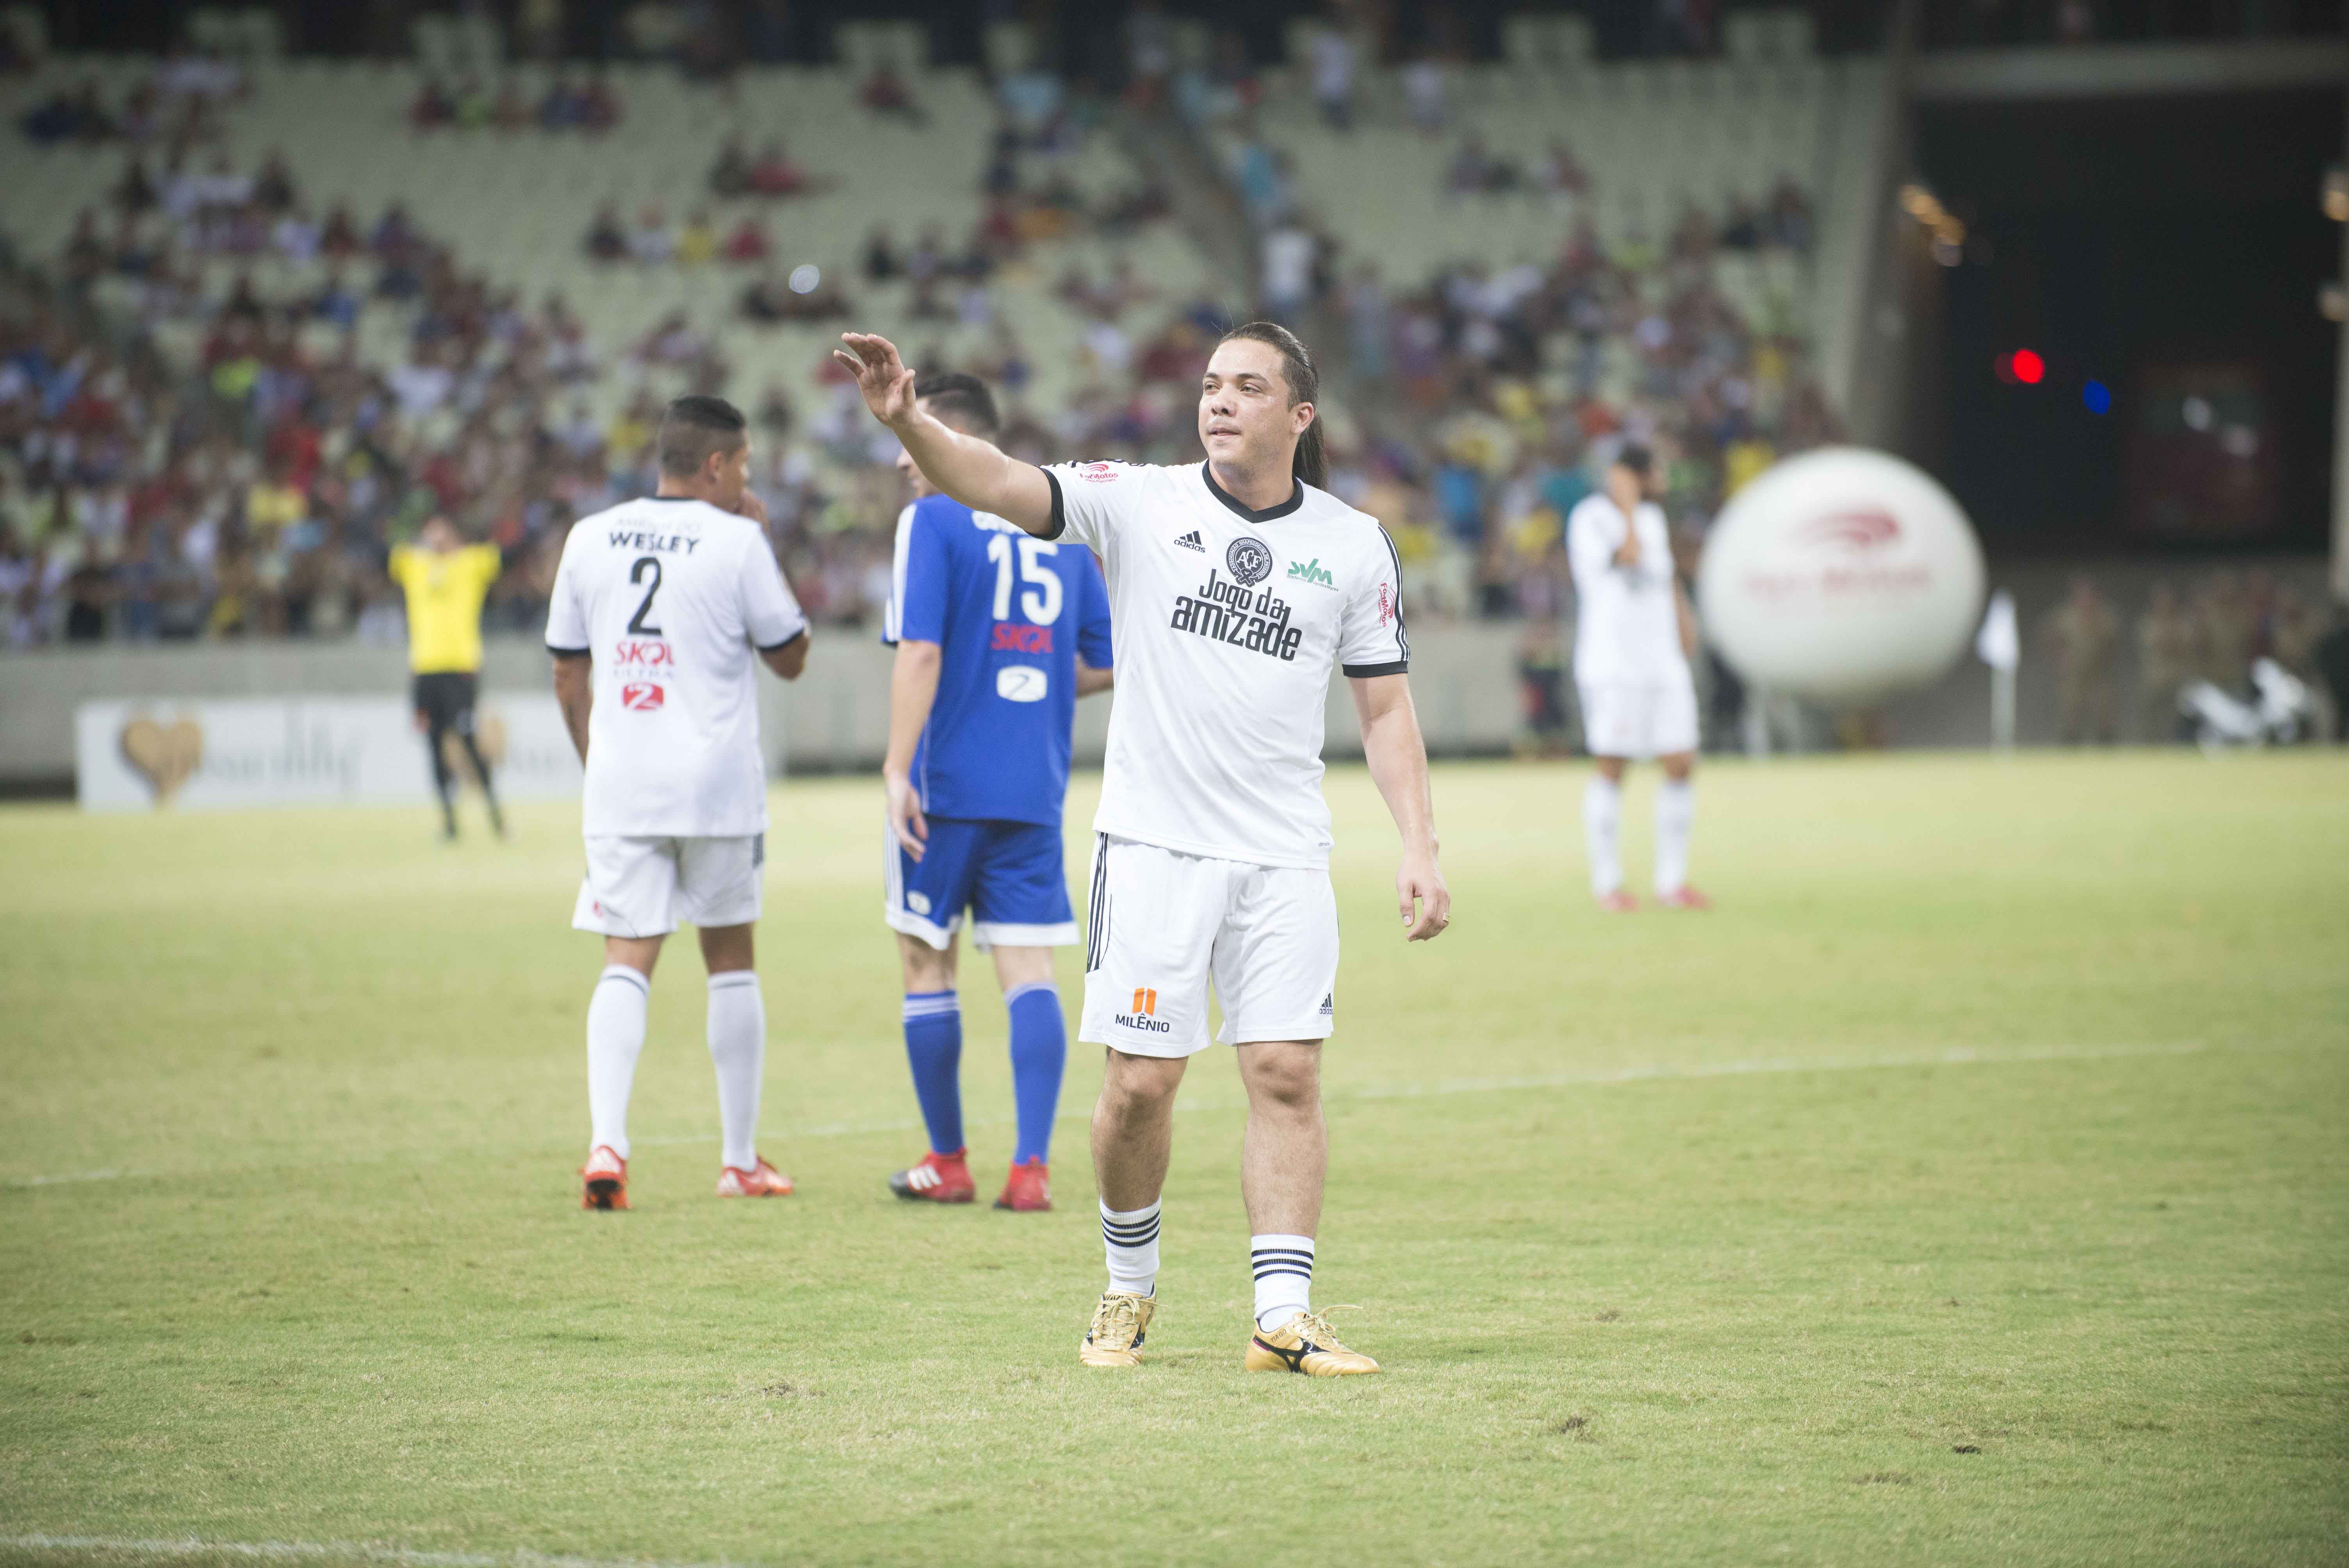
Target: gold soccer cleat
1305,1344
1119,1324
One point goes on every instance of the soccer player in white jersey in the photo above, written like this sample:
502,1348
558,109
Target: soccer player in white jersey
1633,633
1236,588
661,609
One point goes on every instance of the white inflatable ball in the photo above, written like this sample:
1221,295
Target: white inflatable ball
1842,576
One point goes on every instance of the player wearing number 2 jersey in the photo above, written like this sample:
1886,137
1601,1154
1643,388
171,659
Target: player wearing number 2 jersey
658,609
1237,589
998,635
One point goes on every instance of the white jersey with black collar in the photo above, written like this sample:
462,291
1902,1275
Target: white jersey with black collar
1228,624
674,600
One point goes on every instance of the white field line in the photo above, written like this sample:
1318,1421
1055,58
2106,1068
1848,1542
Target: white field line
303,1552
1644,1072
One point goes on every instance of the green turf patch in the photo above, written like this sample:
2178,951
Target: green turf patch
1967,1188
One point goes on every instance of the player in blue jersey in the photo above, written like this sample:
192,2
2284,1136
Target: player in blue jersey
998,634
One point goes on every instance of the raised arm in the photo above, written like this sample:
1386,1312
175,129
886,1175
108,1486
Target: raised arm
1398,760
975,473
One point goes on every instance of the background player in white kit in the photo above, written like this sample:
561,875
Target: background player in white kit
658,608
1633,633
1236,588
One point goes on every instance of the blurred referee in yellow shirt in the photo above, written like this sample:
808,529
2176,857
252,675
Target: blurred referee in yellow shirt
446,580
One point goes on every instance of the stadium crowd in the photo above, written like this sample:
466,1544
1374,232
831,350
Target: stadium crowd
257,490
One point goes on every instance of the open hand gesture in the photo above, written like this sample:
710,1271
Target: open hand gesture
881,376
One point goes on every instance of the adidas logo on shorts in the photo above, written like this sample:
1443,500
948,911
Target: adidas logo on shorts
1191,541
1330,1006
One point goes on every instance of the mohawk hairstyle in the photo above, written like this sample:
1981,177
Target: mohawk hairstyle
695,427
961,400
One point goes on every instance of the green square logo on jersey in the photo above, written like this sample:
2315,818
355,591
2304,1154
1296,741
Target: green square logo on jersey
1311,572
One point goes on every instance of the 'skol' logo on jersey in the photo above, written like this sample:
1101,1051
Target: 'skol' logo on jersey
1018,637
1249,560
642,696
1311,572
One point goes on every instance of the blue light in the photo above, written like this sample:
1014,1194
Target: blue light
2097,396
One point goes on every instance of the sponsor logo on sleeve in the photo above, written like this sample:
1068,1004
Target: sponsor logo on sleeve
1097,473
1311,572
1386,605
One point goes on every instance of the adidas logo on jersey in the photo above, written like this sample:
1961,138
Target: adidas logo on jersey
1191,541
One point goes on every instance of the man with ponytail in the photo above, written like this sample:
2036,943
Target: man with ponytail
1236,588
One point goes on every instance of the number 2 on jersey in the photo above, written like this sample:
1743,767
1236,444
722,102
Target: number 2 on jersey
641,621
1040,604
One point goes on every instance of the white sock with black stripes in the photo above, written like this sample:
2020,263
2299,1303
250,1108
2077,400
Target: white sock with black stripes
1284,1278
1132,1237
616,1037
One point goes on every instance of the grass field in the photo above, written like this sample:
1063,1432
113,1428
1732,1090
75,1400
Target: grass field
1971,1187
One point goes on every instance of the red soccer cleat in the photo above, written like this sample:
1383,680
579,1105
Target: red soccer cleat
938,1179
1619,902
761,1181
1683,897
1028,1189
604,1179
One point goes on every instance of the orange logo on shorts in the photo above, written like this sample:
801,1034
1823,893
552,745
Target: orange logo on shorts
1145,1001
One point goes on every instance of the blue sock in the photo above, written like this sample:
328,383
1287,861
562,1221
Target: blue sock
933,1047
1039,1049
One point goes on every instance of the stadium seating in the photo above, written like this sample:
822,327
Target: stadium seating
516,206
1656,137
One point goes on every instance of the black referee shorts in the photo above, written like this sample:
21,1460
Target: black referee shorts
445,699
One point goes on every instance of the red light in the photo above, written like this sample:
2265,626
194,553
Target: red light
2029,367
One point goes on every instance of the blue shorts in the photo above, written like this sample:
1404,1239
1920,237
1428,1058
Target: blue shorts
1007,874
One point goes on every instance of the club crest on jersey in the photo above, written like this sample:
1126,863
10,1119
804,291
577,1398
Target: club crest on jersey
1249,560
642,696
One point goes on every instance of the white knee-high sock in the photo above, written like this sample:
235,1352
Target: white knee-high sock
737,1045
1675,816
616,1037
1602,813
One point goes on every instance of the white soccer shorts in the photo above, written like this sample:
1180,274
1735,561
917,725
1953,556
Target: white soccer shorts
645,887
1162,924
1639,721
